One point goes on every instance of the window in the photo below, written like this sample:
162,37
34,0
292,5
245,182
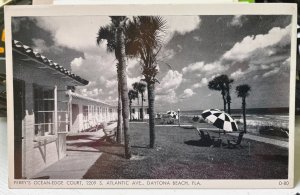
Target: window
44,111
85,113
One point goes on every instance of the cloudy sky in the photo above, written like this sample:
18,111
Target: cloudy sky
252,50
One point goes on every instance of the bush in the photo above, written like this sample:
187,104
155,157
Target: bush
196,118
274,131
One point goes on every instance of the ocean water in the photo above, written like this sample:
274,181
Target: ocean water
280,119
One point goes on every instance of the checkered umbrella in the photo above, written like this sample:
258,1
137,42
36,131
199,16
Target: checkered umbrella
220,119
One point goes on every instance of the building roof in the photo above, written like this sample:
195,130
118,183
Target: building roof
28,51
81,97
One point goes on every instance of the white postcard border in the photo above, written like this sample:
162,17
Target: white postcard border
204,9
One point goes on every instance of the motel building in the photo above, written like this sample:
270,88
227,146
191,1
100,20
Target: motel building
137,110
87,113
46,110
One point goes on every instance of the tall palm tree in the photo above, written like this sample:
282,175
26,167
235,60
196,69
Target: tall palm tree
140,87
135,86
218,84
144,35
242,91
132,95
227,82
114,34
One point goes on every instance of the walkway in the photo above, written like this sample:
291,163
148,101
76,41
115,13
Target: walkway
82,153
73,166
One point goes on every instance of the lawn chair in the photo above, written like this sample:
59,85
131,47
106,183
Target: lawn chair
109,134
205,138
233,143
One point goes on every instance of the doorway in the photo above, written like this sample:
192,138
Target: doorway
19,115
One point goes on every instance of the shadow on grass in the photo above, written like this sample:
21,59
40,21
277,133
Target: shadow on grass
275,157
199,143
146,147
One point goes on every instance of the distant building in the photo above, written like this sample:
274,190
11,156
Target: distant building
137,110
87,112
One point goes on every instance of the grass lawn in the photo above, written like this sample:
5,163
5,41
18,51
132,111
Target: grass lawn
174,159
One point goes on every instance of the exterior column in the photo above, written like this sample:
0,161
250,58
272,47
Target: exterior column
27,151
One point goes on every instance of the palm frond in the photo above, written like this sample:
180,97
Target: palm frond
107,33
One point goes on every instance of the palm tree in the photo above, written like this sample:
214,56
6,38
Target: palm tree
135,87
242,91
228,82
132,95
114,34
144,35
140,87
218,84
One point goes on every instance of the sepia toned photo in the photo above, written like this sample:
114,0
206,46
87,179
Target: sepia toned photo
154,100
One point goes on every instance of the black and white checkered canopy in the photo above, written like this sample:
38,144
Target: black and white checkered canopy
220,119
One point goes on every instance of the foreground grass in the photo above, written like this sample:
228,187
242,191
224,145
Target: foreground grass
173,159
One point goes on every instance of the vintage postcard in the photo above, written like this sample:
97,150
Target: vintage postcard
151,96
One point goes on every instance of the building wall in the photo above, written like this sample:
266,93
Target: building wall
136,114
93,116
38,152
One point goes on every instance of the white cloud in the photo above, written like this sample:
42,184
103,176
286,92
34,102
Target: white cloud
111,83
171,97
202,83
237,74
271,73
181,25
132,64
169,82
92,66
210,68
237,20
264,67
76,62
66,33
187,93
244,49
41,47
165,91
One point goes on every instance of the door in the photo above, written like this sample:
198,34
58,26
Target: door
19,115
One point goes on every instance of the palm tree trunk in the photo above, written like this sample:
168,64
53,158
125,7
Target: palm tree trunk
224,102
120,50
130,118
228,105
142,113
151,98
244,114
138,110
119,124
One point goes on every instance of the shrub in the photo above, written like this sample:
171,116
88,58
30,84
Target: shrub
274,131
196,118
